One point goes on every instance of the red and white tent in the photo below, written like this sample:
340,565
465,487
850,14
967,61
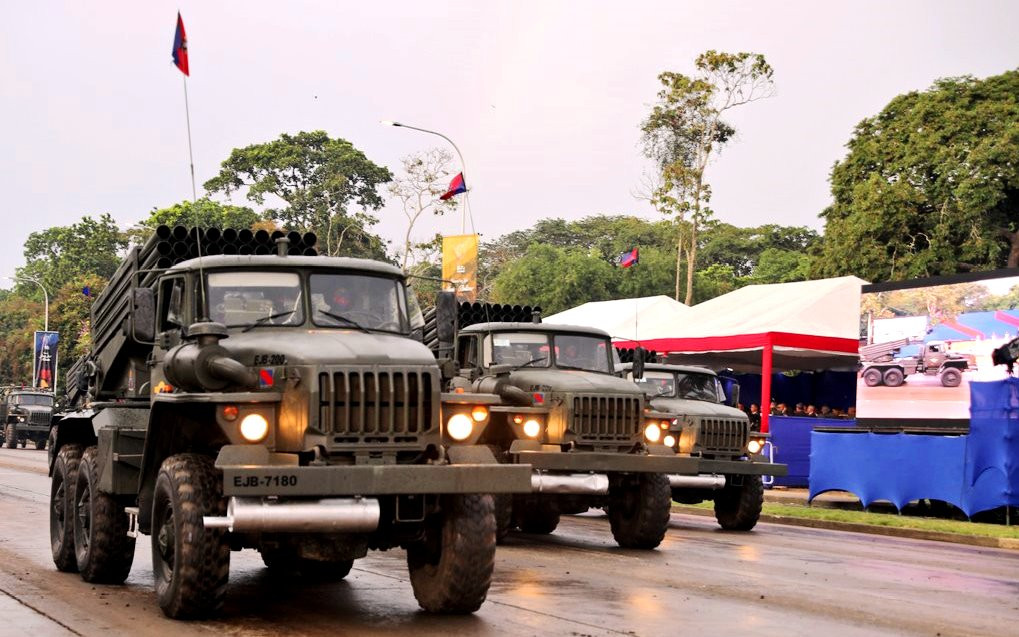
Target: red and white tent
625,319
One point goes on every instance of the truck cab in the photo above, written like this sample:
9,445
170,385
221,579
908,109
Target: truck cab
26,414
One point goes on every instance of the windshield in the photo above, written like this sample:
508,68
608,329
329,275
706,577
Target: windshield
700,387
657,384
517,349
244,299
32,399
359,301
582,352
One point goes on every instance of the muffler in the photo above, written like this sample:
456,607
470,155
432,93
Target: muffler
703,481
328,515
575,483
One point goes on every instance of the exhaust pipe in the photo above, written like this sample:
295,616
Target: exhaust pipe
328,515
703,481
576,483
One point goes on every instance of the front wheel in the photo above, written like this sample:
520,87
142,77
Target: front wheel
191,564
103,549
65,475
951,377
639,510
738,508
451,570
10,436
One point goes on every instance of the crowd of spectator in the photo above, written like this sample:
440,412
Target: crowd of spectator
799,411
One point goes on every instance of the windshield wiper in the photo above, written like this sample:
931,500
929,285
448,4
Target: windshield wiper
262,320
531,362
344,319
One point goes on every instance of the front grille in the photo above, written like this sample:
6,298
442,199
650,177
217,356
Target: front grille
39,418
599,418
387,406
723,435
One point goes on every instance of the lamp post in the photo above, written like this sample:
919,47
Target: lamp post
45,296
463,166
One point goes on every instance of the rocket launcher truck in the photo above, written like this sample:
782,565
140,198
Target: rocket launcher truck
242,392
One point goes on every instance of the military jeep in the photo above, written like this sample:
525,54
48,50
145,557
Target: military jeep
26,415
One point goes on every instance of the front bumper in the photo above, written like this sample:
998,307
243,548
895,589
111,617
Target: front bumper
583,461
255,472
742,467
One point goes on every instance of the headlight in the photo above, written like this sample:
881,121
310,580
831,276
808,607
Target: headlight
664,424
669,441
459,426
21,419
532,428
755,446
479,413
254,427
653,432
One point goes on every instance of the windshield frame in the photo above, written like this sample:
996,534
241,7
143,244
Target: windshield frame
609,369
648,374
719,390
551,360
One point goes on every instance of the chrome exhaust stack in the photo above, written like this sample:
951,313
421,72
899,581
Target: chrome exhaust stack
327,515
703,481
574,483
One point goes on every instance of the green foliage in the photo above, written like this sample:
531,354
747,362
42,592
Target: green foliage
554,278
930,185
20,317
58,255
205,213
684,131
328,186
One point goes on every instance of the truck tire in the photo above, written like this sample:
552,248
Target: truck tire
872,377
65,475
40,443
738,508
951,377
503,515
893,377
10,436
451,570
639,509
536,514
283,560
191,564
102,547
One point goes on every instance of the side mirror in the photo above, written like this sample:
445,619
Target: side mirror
445,318
639,357
143,315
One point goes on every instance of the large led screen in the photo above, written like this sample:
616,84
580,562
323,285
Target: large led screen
923,341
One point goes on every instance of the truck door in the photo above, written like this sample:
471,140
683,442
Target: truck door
935,356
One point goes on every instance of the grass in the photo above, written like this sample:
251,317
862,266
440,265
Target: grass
938,525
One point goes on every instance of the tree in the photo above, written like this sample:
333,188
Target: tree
554,278
418,189
321,180
205,213
58,255
684,131
930,185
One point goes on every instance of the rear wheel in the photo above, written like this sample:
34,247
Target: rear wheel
639,509
893,377
103,550
191,564
451,569
738,508
536,514
10,436
872,377
65,475
951,377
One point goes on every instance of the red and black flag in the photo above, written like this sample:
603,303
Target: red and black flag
628,258
180,47
456,187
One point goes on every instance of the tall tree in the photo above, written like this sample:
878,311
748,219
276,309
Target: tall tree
57,255
930,185
205,213
685,130
418,189
329,187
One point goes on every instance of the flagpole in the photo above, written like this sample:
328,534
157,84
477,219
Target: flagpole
191,157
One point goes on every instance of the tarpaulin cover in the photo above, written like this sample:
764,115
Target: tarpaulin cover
975,472
791,438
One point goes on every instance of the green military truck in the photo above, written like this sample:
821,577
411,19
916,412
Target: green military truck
731,456
586,433
26,414
269,401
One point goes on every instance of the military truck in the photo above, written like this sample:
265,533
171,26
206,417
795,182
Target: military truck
586,432
884,364
275,402
704,425
25,413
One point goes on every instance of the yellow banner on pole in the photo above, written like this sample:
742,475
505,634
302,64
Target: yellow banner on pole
460,265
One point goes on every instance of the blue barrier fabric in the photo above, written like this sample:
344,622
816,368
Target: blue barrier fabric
975,472
791,438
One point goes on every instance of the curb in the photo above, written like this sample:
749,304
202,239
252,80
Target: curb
913,534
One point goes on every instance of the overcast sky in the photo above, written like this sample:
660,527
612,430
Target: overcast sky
544,99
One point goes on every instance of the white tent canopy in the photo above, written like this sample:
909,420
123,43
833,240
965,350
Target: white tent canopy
626,319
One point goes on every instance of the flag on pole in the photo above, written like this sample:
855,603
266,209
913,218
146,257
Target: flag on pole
628,258
180,47
456,187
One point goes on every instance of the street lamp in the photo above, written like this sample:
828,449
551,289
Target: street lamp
463,165
45,296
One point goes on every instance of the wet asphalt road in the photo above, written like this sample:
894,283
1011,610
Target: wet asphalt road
777,580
